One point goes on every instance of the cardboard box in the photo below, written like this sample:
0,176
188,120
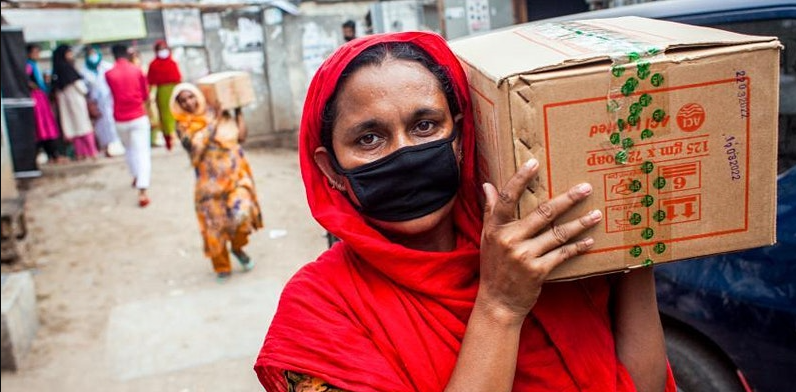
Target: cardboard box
233,89
674,125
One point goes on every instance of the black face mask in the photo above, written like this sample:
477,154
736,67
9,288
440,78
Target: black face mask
407,184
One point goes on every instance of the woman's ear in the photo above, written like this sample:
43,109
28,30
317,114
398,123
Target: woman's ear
323,160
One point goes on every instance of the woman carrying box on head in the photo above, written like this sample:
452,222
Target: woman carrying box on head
422,293
226,201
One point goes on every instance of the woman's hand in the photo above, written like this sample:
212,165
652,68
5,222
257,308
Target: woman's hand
518,254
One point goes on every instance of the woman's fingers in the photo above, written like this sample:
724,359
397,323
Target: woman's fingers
547,213
559,235
501,207
558,255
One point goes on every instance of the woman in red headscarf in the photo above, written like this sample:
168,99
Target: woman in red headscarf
163,74
428,291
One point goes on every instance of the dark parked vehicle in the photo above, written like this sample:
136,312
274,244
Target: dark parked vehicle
730,320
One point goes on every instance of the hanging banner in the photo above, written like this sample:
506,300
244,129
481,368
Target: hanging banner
112,25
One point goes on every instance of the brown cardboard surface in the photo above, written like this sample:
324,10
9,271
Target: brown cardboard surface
675,126
232,89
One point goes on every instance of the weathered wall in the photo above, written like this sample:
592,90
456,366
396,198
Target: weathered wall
234,40
295,48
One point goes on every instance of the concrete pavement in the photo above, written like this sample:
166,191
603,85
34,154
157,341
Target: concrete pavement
127,301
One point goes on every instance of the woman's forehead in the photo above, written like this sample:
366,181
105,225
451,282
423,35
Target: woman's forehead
390,78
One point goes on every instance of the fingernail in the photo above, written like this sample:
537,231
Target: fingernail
483,186
584,188
588,241
596,215
531,163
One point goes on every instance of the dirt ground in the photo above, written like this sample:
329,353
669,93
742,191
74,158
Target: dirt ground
126,299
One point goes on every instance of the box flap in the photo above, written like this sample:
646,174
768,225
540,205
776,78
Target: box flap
537,47
218,76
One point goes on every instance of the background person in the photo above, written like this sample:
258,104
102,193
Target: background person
70,95
130,94
349,30
428,291
163,75
99,94
225,199
47,133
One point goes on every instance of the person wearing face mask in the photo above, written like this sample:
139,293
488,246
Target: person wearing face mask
225,199
99,95
163,74
430,290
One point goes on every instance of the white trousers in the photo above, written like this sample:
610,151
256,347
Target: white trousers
135,136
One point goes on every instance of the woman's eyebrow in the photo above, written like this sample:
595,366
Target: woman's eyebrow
427,112
366,125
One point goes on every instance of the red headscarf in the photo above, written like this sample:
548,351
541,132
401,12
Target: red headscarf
163,71
371,315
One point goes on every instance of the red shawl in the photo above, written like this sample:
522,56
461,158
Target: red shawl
163,71
370,315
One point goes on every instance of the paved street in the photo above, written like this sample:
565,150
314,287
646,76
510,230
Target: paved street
127,301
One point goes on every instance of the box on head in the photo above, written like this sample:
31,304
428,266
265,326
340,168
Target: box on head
674,125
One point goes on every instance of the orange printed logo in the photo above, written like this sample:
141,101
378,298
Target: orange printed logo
690,117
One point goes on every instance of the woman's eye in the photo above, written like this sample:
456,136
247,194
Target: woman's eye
368,140
425,126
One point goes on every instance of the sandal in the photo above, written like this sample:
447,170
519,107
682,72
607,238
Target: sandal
143,201
223,277
245,261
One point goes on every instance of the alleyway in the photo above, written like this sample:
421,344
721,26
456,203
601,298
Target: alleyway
127,301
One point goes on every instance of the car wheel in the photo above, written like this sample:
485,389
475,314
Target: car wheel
697,368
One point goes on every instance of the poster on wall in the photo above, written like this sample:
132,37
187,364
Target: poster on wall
112,25
183,27
478,19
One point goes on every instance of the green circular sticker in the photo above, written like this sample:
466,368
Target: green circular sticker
659,248
633,56
643,73
653,51
620,124
658,115
635,186
615,138
647,200
635,251
648,262
646,134
635,109
647,233
621,157
659,216
635,218
617,70
659,183
657,80
633,119
630,86
627,143
647,167
645,100
627,89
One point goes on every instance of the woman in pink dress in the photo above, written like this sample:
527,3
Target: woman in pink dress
47,133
